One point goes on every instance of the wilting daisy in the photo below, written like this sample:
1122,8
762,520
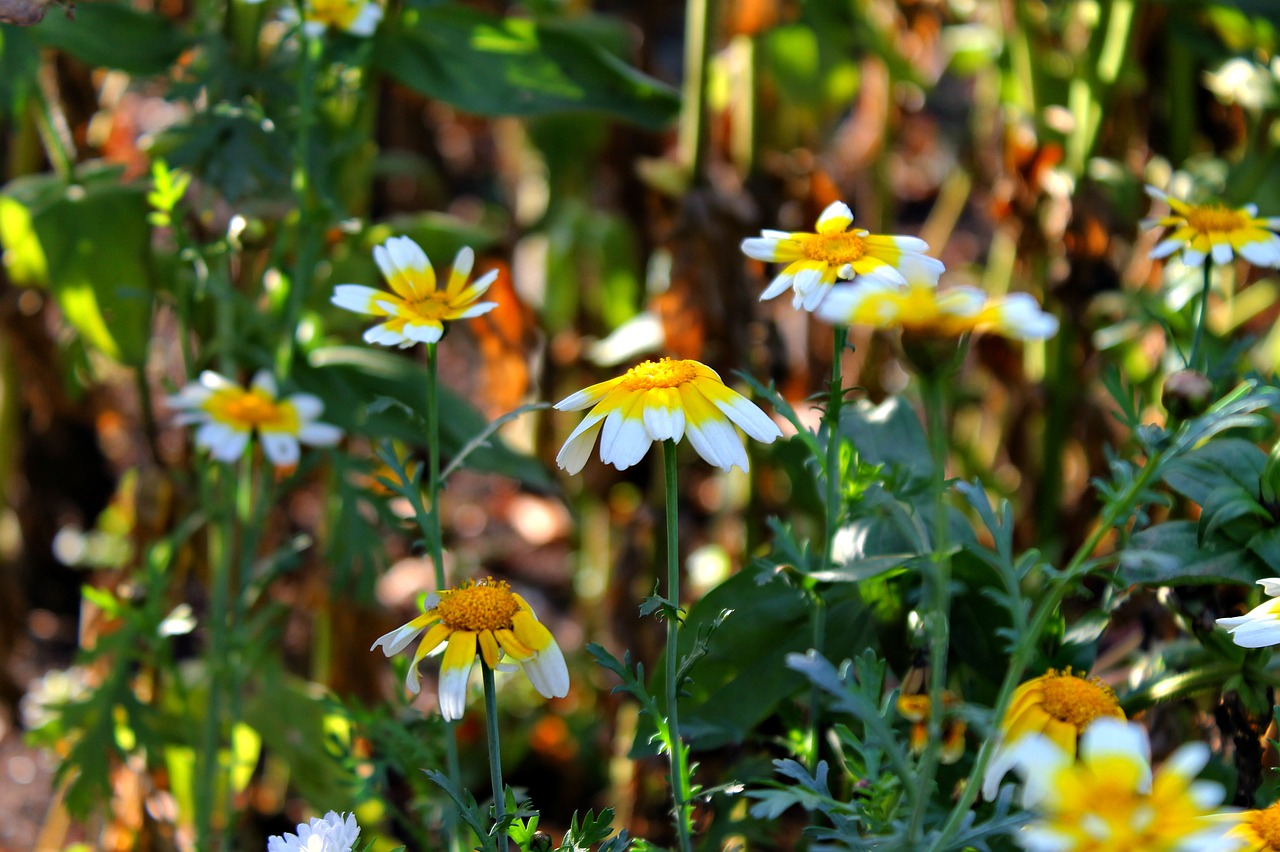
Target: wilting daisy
1260,626
1108,800
1059,706
229,414
1215,230
416,310
657,401
950,312
356,17
334,833
814,262
1258,831
482,615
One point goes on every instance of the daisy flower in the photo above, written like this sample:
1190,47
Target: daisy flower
1258,830
922,308
228,415
356,17
1260,626
334,833
416,310
659,401
1109,800
484,615
814,262
1215,230
1059,706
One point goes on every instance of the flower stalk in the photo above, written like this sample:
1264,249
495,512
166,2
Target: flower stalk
495,751
680,786
1193,360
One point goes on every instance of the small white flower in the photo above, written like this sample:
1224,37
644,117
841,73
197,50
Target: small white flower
228,415
334,833
1260,626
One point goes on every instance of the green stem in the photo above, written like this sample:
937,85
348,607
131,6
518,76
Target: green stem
933,390
436,543
495,752
818,609
1193,360
221,557
1029,642
679,782
693,137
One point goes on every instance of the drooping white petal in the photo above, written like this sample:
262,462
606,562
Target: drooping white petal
777,287
1222,253
577,447
423,332
477,309
281,448
762,248
1166,247
265,382
548,673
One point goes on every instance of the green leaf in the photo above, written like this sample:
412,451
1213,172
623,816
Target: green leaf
347,378
1170,554
1226,461
90,243
889,434
107,35
19,57
1228,503
491,65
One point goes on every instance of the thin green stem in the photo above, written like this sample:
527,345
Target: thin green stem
693,141
679,781
221,557
1193,360
933,390
1029,642
831,519
495,752
435,541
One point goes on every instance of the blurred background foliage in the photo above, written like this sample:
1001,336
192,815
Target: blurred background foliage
607,159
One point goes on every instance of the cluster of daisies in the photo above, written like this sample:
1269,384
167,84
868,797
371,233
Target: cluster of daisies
1086,770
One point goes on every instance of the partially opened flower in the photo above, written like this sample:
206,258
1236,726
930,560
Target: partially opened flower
1201,231
921,307
1059,706
815,262
659,401
1258,830
416,310
334,833
1260,626
483,617
1109,801
356,17
229,414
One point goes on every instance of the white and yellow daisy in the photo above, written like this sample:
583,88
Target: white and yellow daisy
416,311
228,415
659,401
1257,830
1260,626
814,262
355,17
1201,231
484,615
1109,801
334,833
923,308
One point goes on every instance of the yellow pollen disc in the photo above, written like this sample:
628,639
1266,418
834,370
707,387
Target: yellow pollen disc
434,306
1267,825
659,374
251,409
1075,700
837,249
1214,218
335,13
486,605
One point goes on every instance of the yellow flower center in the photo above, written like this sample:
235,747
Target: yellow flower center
247,408
835,249
1077,701
1267,825
434,306
1215,218
486,605
659,374
339,14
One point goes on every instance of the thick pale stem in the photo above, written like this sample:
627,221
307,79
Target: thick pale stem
679,784
1194,359
495,751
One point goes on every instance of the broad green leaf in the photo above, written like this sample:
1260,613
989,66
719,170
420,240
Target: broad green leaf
349,378
491,65
1226,461
19,57
1170,554
108,35
90,243
1228,503
889,434
1266,546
